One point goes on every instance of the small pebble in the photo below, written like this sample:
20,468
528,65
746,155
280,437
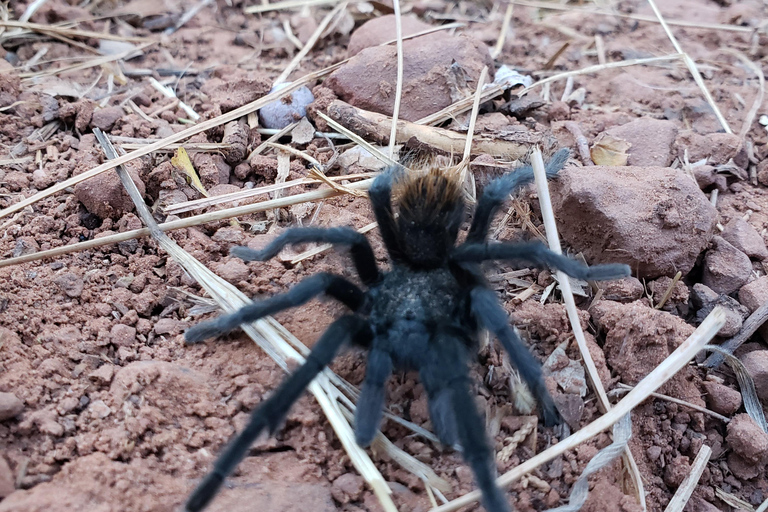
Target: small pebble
722,399
281,113
10,406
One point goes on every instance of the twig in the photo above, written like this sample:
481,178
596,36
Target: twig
663,372
169,93
582,145
604,404
683,493
286,4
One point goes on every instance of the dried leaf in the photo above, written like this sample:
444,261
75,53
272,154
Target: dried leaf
182,162
303,133
609,150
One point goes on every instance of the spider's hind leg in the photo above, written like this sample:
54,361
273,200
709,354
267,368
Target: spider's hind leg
492,316
335,286
271,413
449,373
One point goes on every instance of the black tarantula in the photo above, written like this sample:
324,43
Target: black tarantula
423,314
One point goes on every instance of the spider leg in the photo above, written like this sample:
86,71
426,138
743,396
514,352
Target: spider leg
362,254
271,413
335,286
538,254
380,195
370,406
490,314
441,410
497,192
449,372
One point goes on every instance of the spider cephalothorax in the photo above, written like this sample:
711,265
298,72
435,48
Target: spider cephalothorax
423,314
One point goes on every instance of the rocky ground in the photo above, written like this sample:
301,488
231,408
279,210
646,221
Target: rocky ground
102,406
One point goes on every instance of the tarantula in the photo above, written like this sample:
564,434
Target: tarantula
422,314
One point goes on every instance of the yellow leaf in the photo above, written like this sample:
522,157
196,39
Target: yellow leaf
609,150
182,162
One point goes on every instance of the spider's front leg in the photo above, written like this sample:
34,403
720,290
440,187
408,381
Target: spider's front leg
335,286
539,255
270,414
380,195
492,316
362,254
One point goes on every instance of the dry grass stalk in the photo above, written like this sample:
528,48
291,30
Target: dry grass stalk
205,202
370,148
752,114
514,441
623,388
639,17
192,130
548,216
668,292
399,79
64,31
91,63
286,4
310,43
669,367
691,67
231,299
683,493
273,138
505,24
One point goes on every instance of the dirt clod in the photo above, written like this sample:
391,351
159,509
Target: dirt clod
756,363
651,140
722,399
745,238
726,269
747,439
10,406
654,219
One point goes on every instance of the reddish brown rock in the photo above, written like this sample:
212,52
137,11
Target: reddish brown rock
747,439
628,289
726,269
104,194
382,29
348,487
368,80
654,219
122,335
233,270
105,118
7,479
651,140
10,406
722,399
745,238
756,363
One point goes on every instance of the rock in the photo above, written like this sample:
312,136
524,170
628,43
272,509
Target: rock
10,406
122,335
740,234
762,172
212,169
7,479
628,289
438,69
104,194
103,374
747,439
754,294
742,468
71,284
722,399
726,269
348,487
651,139
167,326
382,29
283,112
105,118
232,88
705,299
654,219
676,471
233,270
707,177
638,339
229,234
717,148
99,409
756,363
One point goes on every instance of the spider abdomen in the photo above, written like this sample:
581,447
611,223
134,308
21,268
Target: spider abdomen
409,305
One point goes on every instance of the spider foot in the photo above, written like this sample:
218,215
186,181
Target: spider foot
202,331
607,271
247,254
